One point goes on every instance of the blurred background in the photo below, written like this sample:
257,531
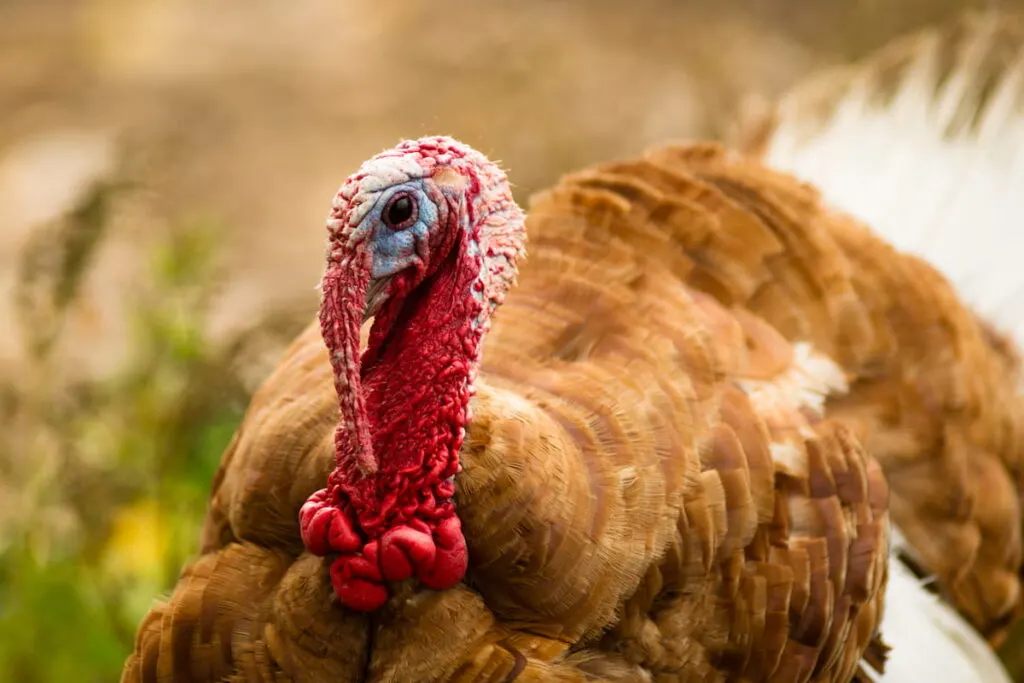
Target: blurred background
165,169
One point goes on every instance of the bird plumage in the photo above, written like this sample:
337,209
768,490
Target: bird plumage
649,486
693,417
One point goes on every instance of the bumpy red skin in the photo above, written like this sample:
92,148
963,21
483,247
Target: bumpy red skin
387,513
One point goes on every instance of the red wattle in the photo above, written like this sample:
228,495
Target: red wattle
358,583
326,529
438,561
452,557
405,551
359,594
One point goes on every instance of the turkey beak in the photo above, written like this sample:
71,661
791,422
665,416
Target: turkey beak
376,295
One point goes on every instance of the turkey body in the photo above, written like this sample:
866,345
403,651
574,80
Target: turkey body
663,478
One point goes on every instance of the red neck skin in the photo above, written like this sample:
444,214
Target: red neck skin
387,512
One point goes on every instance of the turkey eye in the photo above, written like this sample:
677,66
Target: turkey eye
399,212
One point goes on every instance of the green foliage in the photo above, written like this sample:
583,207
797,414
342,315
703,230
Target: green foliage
119,469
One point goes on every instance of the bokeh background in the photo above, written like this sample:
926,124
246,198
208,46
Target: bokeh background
165,169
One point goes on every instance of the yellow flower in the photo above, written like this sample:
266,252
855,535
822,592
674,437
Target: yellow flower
138,542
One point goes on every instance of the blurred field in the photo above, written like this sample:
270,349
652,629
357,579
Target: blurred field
165,167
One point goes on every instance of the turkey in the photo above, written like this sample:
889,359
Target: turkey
649,469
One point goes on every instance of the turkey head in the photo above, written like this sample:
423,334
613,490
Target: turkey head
424,239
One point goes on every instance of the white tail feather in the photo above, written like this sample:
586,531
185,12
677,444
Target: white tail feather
930,641
924,142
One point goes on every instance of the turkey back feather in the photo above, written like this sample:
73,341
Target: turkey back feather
922,141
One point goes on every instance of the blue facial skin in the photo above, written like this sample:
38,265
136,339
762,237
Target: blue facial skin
395,250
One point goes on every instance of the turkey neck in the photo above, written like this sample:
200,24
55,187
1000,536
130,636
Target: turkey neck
404,407
417,381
